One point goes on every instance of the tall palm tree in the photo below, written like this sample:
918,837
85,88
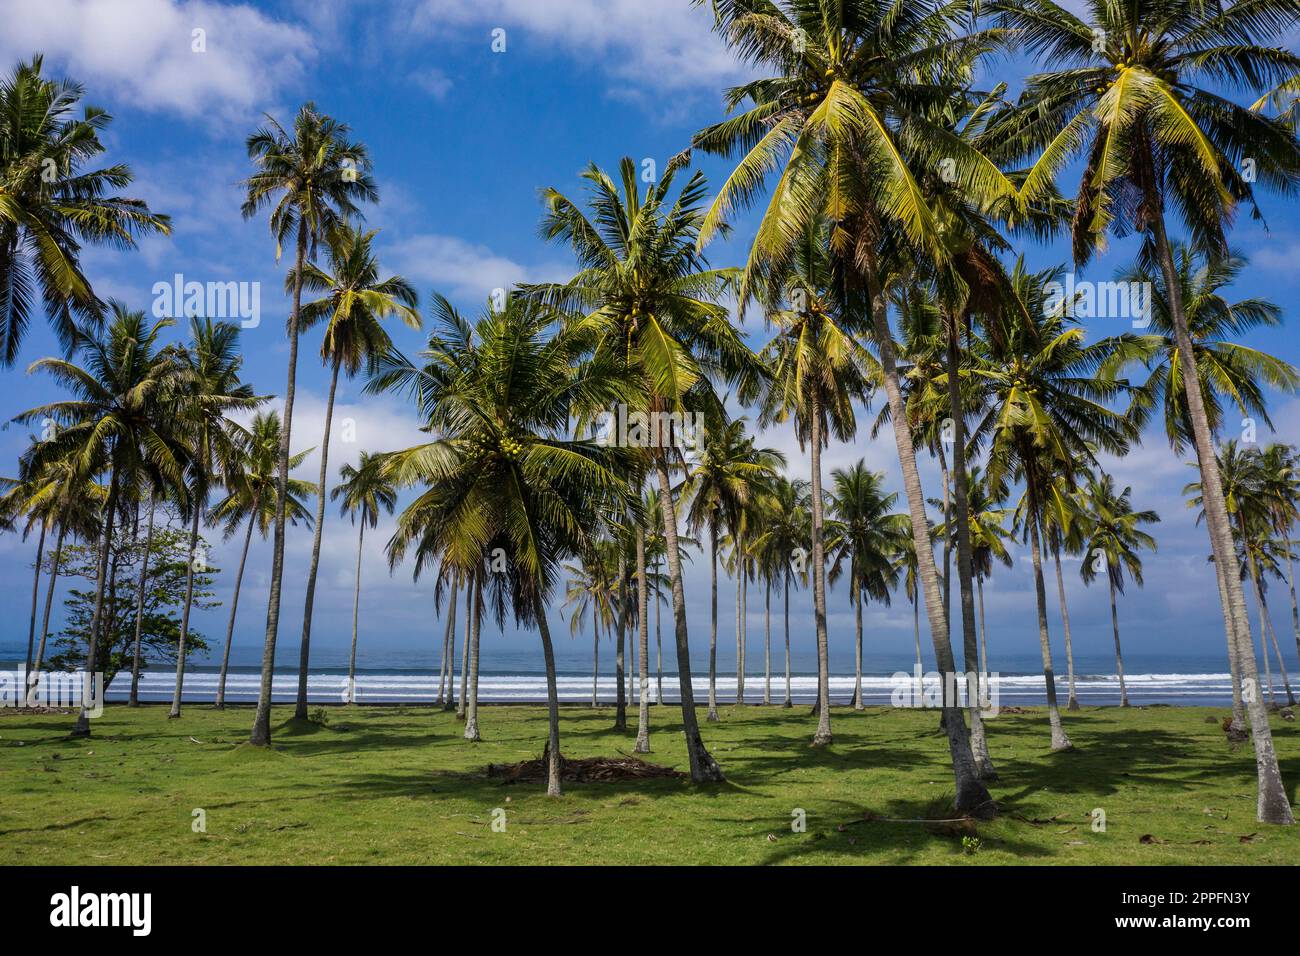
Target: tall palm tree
589,592
652,304
1279,488
717,494
500,471
111,424
366,491
867,537
989,537
209,389
250,481
786,537
1062,531
355,300
1113,536
50,204
1137,88
311,178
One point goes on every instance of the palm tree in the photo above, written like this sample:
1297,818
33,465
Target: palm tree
1046,416
111,424
500,472
354,303
653,306
1279,487
786,535
867,536
989,537
1131,88
589,592
365,491
719,489
1062,531
50,204
250,481
1113,536
312,179
209,389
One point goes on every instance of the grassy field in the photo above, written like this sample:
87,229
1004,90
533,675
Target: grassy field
399,785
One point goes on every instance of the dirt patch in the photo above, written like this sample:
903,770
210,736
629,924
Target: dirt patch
29,711
584,770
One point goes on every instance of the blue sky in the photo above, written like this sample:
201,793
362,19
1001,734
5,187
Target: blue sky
462,138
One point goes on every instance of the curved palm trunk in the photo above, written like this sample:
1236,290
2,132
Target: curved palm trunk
620,646
704,769
448,652
554,762
643,647
471,705
823,734
1073,702
304,650
82,727
185,613
36,592
1119,655
767,640
1269,635
1237,726
234,602
1290,578
789,701
139,605
713,621
1268,668
45,617
1272,805
1059,739
965,562
856,598
261,733
356,611
971,794
464,649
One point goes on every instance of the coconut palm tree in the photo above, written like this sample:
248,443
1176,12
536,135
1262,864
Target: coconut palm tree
311,178
1279,487
501,471
365,491
864,542
786,537
1113,536
1138,88
651,302
51,204
719,489
111,425
354,303
1062,531
589,592
209,390
989,537
249,480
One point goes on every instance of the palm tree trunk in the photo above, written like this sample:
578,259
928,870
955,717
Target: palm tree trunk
767,639
1119,655
139,604
789,701
823,734
471,706
36,592
740,623
1295,612
713,621
356,611
704,769
82,727
1267,634
261,733
984,647
965,561
1073,702
1237,726
448,653
1263,647
855,597
304,650
643,647
946,479
554,762
234,600
45,616
1059,739
659,644
620,645
971,794
1272,805
464,648
197,505
595,656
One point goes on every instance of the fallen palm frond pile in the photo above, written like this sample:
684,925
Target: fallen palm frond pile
582,770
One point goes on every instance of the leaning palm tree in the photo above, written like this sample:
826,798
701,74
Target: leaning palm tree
1113,536
50,204
501,471
652,304
1279,490
354,303
209,390
366,491
311,178
111,424
1138,88
250,483
866,538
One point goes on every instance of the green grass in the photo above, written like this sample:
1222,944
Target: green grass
399,785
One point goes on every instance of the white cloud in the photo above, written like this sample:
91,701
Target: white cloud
459,268
143,51
433,81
